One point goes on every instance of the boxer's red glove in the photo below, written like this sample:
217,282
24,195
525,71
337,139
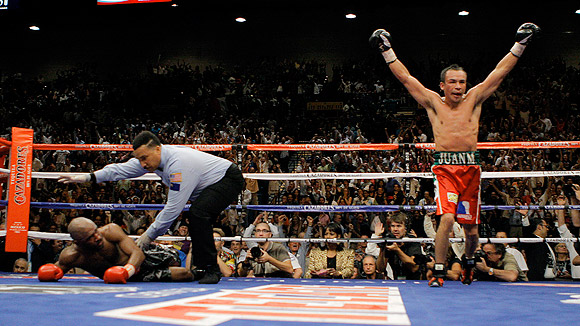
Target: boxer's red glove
118,274
49,273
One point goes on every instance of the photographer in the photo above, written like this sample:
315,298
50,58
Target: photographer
263,217
497,265
452,266
400,255
267,259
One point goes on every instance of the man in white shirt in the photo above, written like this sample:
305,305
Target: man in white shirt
516,253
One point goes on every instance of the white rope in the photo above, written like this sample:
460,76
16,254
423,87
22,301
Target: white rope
66,237
425,175
332,175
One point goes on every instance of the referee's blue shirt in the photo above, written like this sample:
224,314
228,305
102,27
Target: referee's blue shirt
186,171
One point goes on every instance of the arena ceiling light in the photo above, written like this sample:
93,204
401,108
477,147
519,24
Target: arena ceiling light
350,16
34,28
463,13
578,11
241,20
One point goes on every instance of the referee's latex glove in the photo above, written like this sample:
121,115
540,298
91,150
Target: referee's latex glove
144,241
75,178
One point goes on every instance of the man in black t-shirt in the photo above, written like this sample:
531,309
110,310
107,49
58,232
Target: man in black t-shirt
400,255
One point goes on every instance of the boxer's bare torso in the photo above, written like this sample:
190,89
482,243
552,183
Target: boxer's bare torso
96,259
455,128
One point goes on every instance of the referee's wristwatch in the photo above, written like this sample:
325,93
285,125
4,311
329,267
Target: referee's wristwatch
490,272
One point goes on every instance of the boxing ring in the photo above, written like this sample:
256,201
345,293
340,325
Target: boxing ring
83,299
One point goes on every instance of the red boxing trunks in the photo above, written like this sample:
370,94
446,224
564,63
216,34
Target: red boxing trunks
457,185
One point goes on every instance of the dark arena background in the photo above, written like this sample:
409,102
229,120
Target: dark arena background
205,32
96,73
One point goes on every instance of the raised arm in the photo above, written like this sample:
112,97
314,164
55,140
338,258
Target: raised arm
486,88
547,192
302,252
381,40
428,225
575,201
565,232
560,214
499,192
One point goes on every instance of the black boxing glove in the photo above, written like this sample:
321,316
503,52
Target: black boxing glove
381,40
524,37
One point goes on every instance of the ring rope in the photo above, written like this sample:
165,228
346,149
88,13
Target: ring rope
66,237
287,208
304,176
303,147
332,175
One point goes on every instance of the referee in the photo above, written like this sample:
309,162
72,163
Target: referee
211,184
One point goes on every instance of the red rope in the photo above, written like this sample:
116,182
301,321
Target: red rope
308,147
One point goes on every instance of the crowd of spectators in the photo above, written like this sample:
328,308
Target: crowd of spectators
265,103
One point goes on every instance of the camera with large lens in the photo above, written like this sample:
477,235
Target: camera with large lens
256,252
388,236
421,259
479,256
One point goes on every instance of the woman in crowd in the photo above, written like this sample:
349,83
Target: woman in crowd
334,261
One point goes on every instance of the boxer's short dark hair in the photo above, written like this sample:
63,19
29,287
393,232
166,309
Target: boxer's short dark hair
452,67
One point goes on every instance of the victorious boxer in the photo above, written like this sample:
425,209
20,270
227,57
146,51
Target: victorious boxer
108,253
455,122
